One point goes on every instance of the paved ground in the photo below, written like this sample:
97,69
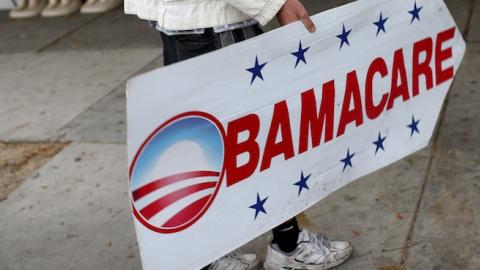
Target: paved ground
63,80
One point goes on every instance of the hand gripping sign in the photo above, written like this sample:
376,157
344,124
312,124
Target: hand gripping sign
226,146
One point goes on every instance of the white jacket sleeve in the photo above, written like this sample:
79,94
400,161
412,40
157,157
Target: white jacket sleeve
261,10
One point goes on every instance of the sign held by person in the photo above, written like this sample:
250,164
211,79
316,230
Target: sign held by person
226,146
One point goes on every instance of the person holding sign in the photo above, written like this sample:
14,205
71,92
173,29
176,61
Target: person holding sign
208,25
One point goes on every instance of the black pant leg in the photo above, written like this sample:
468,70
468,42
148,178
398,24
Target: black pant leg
177,48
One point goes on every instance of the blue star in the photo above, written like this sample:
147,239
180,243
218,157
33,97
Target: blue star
379,142
381,24
258,206
256,70
344,36
302,184
347,160
414,126
415,12
300,54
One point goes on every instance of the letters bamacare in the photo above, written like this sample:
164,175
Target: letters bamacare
317,115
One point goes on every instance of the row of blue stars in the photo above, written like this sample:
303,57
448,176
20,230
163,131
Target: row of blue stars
302,184
256,70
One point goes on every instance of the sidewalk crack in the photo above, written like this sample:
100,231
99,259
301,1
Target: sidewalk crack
409,239
65,35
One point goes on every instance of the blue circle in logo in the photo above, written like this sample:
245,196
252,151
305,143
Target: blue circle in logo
177,172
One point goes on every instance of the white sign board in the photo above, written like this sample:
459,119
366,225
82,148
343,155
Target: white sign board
226,146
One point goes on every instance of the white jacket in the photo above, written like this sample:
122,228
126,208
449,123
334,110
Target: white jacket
194,14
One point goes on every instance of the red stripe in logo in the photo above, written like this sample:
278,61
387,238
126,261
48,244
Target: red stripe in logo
152,209
165,181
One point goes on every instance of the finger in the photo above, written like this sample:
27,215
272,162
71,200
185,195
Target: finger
308,23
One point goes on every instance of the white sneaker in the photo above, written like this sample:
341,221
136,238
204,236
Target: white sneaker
27,9
313,252
100,6
235,261
61,8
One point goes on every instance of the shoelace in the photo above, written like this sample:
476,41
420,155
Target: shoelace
323,241
320,242
231,260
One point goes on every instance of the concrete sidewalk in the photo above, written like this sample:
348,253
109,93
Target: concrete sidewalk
63,80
